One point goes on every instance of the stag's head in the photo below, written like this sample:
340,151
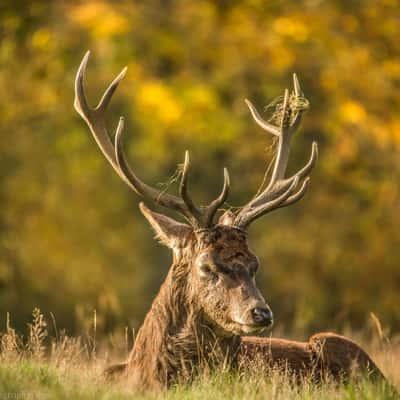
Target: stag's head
220,268
223,275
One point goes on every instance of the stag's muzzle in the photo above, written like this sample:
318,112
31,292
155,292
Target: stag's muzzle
262,317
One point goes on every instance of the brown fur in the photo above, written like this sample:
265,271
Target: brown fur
175,336
324,354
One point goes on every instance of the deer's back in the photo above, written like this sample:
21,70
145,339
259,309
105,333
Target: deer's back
323,353
296,356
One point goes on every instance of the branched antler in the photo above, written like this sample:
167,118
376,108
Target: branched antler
280,191
95,119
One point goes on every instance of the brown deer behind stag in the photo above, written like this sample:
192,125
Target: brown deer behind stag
210,298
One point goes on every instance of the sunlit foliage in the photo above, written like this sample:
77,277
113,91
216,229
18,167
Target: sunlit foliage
71,238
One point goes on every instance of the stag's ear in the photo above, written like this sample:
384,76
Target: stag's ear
168,231
227,218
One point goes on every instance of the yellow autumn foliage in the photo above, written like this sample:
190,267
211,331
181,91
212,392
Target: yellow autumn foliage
71,236
158,101
102,19
352,112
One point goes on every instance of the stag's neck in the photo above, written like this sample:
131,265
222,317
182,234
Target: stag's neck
174,339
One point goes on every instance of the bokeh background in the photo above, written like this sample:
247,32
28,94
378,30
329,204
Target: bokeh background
71,237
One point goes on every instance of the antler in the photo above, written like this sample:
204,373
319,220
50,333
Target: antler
280,191
94,118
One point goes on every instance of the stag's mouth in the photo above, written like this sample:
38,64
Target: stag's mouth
252,328
241,328
236,327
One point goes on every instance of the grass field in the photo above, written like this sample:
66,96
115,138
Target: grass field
39,367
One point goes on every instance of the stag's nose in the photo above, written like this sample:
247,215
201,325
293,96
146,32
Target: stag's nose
262,316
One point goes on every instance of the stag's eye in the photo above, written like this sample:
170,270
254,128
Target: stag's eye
227,272
207,272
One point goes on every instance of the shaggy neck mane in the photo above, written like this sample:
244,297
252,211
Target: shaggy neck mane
175,340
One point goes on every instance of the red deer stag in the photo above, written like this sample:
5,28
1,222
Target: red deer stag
210,298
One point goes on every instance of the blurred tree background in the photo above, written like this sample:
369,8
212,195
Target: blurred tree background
71,237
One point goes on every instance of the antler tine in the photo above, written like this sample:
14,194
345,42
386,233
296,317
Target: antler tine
92,117
296,86
183,189
205,216
80,102
280,192
285,135
106,98
306,170
164,199
261,122
212,208
244,222
298,94
299,194
282,185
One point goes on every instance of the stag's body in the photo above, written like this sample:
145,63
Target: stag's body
210,298
176,341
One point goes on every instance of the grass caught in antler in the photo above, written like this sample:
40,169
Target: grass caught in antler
173,179
296,104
